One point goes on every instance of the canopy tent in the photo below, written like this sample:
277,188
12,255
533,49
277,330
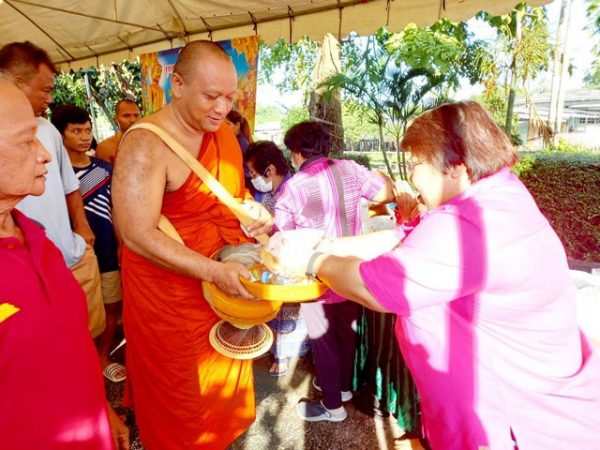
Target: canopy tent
80,33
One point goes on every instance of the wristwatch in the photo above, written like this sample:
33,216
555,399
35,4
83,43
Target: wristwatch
310,271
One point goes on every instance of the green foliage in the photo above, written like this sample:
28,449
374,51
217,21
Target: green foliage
107,85
495,102
293,116
355,125
520,56
396,77
269,113
363,160
592,77
446,49
295,60
565,186
566,147
593,13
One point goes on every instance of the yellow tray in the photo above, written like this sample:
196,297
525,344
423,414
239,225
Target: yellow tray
288,293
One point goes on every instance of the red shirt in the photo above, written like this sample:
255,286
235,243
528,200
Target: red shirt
51,388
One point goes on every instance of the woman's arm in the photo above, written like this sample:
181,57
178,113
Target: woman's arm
364,246
343,276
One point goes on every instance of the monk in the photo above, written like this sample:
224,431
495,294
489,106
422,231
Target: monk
185,394
127,113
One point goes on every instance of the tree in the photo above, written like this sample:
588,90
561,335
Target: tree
592,78
327,108
523,52
305,64
107,85
395,77
294,61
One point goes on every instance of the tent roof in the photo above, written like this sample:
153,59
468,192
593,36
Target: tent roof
80,33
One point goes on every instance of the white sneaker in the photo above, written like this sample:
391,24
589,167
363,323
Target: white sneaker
346,395
317,412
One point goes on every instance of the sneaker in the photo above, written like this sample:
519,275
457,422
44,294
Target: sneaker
346,395
316,412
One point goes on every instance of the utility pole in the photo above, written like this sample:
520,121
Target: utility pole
557,73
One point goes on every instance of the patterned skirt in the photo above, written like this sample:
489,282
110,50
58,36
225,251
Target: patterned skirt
291,335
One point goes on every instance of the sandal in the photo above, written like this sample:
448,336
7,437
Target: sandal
115,372
276,370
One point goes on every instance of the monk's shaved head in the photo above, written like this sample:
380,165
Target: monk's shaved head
195,51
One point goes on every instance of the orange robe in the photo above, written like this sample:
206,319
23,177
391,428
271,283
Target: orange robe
185,394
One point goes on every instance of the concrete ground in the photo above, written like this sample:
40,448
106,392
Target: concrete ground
278,427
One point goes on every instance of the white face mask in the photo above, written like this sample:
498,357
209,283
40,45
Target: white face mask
261,185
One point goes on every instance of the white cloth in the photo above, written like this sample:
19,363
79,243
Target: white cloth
50,209
588,304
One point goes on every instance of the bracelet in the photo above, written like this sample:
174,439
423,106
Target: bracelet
310,271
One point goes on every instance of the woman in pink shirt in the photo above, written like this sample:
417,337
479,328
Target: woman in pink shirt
482,290
325,194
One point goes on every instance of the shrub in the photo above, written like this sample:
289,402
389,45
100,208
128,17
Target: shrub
363,160
566,187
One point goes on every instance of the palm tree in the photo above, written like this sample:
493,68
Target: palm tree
392,92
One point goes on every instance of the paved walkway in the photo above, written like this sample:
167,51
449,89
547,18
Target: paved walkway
278,427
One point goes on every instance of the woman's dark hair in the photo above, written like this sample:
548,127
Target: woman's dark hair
309,138
263,153
235,117
63,115
460,133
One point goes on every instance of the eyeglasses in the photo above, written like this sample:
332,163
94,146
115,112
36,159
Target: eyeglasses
410,165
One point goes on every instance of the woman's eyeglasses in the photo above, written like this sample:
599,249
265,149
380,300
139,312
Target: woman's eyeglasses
410,165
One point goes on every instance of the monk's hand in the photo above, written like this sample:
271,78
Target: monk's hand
263,221
227,278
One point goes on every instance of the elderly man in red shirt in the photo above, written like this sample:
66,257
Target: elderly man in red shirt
52,390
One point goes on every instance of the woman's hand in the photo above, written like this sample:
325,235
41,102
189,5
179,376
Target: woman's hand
291,250
407,206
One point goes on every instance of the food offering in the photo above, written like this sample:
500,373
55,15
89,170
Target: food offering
242,332
268,285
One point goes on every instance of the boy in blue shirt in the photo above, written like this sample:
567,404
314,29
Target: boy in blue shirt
94,184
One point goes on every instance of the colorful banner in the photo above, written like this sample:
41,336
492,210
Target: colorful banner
157,68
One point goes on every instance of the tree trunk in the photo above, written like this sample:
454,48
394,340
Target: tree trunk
382,148
328,111
513,77
102,105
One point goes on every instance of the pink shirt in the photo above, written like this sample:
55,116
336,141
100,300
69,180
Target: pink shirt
310,198
488,324
51,387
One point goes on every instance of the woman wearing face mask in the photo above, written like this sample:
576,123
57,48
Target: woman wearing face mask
325,194
241,128
269,172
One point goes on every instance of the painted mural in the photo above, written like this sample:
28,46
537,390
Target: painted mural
157,68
